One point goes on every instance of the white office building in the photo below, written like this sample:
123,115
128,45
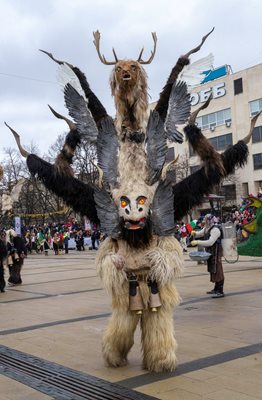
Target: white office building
236,98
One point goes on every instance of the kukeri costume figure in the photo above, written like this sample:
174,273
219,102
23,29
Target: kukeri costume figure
135,203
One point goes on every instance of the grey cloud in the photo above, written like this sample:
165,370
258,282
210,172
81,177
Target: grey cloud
65,28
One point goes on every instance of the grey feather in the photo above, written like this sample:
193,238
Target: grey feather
78,110
107,151
156,147
178,111
163,210
107,213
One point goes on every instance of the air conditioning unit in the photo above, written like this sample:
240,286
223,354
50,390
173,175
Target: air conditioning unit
228,123
212,127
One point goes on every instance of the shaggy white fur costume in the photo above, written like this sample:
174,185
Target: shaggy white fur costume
162,261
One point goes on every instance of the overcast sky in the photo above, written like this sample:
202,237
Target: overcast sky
64,27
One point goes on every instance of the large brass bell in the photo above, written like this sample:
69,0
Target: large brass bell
135,298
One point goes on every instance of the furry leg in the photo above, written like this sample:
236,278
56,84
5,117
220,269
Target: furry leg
119,337
158,340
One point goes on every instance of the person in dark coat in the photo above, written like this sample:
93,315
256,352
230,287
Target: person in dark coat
212,236
93,240
66,240
16,253
3,255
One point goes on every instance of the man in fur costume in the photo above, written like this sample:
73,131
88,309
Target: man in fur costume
136,206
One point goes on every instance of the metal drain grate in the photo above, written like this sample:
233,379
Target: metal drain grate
59,382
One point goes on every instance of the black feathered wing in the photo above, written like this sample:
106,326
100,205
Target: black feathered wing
107,213
73,75
190,191
76,194
107,151
163,210
78,109
156,147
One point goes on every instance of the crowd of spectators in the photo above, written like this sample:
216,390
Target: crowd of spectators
238,216
60,238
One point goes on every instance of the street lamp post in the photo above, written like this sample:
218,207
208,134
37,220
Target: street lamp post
215,202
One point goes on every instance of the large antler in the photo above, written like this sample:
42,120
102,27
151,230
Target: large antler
70,123
192,118
152,52
200,144
65,158
162,104
55,59
23,152
102,58
196,49
96,42
252,126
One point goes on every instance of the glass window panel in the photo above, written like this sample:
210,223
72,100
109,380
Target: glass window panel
256,135
257,161
254,106
221,142
227,113
238,86
229,192
212,118
205,120
199,121
228,139
220,118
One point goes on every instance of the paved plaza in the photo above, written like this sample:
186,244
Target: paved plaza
51,328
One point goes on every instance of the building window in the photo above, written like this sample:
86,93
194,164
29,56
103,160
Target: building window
238,86
221,142
245,189
257,134
229,191
259,189
257,161
194,168
255,106
210,121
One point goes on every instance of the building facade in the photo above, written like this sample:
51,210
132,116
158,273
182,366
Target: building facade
236,98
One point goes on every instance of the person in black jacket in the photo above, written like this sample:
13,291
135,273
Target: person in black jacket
17,251
3,254
212,236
